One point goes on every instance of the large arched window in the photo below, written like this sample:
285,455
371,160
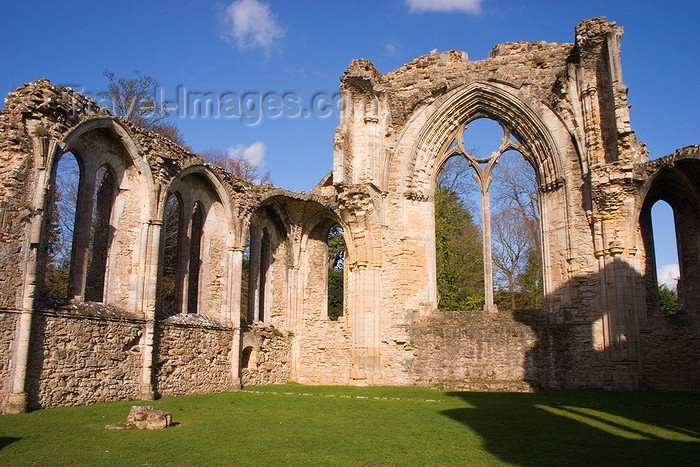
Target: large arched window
170,288
503,206
100,234
670,228
80,230
61,226
666,262
458,239
265,257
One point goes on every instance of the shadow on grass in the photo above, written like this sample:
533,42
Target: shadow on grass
584,428
7,440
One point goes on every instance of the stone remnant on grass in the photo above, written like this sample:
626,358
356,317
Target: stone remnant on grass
146,417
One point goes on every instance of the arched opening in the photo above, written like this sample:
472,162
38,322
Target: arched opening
195,260
670,228
61,226
247,358
100,234
665,245
508,226
170,289
79,231
245,277
336,272
265,257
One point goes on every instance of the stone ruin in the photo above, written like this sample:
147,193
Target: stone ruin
566,109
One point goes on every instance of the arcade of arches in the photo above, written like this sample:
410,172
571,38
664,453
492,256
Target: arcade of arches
178,278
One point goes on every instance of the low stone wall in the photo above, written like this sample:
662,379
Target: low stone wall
266,356
83,356
8,323
480,351
192,356
671,352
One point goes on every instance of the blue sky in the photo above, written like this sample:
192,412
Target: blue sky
304,46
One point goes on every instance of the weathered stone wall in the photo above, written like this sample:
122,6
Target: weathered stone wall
671,352
193,356
480,351
83,355
8,326
324,346
269,355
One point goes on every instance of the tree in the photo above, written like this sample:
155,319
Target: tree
336,273
135,99
668,300
237,166
517,248
512,243
61,220
458,246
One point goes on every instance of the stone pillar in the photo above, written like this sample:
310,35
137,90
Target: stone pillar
486,242
17,398
81,236
148,305
146,391
235,277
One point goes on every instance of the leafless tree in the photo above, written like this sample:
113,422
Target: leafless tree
237,166
135,99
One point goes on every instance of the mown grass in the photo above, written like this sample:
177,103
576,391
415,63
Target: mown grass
303,425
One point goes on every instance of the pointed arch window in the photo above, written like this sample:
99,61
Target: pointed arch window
477,147
80,230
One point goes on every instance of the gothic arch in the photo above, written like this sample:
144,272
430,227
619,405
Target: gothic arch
98,143
677,184
442,118
201,194
542,139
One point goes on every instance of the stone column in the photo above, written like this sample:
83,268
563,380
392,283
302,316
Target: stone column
148,305
488,259
235,277
17,398
81,236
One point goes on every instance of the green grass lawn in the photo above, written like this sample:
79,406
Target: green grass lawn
308,425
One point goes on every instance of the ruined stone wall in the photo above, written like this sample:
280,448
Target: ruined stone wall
481,351
324,346
269,355
671,352
563,105
193,356
83,355
8,326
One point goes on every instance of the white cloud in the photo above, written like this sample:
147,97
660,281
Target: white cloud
255,153
250,24
392,48
668,275
445,6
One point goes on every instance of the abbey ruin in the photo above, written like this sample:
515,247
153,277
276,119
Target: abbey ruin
563,106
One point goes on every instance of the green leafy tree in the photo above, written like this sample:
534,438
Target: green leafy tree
459,254
336,276
668,300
